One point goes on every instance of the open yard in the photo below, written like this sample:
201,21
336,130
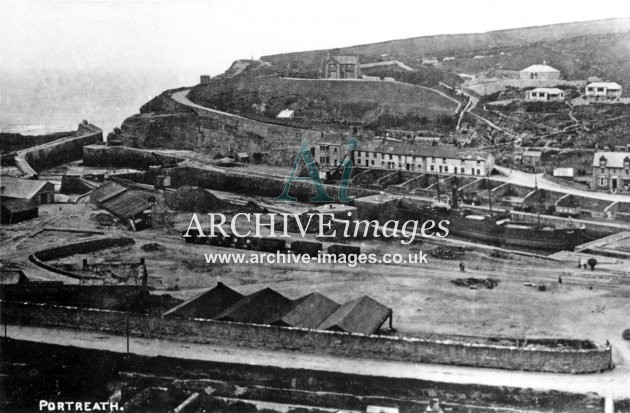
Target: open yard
588,304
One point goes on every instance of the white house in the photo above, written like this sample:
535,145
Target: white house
544,94
422,157
603,89
539,72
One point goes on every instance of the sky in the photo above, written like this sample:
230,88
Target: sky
204,37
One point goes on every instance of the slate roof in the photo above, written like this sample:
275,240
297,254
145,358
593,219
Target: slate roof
345,60
607,85
208,304
309,311
540,68
420,149
18,205
106,191
22,188
263,307
552,90
613,159
126,205
363,315
386,63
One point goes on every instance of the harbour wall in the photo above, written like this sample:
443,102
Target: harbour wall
65,150
412,350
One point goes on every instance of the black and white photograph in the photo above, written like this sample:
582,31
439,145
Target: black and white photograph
224,206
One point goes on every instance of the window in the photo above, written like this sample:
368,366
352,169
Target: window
432,160
463,160
478,162
602,181
335,151
478,171
600,89
433,167
627,171
390,156
603,170
443,160
626,182
372,161
446,168
462,170
590,89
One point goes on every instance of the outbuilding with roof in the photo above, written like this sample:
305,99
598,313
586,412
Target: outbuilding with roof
36,191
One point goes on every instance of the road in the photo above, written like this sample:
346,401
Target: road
615,383
532,180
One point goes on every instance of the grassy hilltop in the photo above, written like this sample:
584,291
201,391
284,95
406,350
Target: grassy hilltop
594,48
327,101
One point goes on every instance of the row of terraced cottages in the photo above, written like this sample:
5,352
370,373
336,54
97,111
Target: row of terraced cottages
405,156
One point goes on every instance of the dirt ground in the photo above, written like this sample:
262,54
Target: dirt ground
588,304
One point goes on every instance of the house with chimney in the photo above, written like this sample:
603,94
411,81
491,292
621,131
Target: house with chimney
611,171
423,157
342,67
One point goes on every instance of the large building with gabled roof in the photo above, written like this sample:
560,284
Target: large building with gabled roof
540,72
36,191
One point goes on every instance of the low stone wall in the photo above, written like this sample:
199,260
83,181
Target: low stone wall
411,350
81,247
122,156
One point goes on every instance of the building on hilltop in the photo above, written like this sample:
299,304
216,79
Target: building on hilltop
609,90
539,72
342,67
422,157
544,94
611,171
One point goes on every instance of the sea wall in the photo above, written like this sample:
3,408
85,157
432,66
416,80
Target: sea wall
58,152
565,360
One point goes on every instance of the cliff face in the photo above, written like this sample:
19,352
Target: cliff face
256,93
166,124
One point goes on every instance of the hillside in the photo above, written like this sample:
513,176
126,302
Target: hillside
327,101
599,46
